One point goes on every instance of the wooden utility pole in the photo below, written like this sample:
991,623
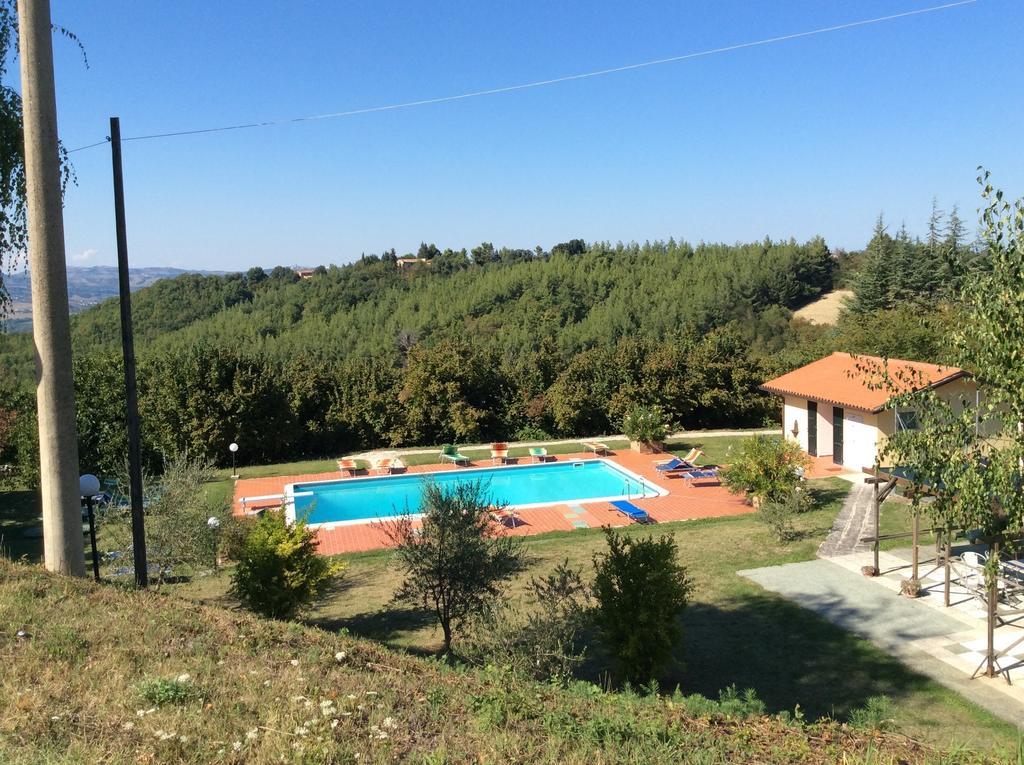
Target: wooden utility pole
63,543
128,349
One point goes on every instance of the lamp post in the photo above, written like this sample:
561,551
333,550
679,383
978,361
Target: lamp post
214,524
89,487
233,447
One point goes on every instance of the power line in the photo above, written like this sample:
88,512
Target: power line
544,83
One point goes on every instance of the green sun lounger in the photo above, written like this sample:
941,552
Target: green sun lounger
451,453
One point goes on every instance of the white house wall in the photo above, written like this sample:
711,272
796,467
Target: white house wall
794,418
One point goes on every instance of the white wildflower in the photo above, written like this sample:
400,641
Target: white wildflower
184,677
334,722
389,722
295,662
350,696
266,683
251,734
237,745
301,730
128,725
55,718
183,739
339,656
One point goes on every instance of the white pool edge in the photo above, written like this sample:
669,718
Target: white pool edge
290,493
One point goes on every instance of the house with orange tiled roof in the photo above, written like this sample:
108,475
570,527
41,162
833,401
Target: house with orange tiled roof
835,406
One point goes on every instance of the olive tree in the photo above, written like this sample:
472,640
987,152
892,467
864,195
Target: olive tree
457,561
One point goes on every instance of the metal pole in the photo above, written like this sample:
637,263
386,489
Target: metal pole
917,533
949,552
63,547
990,627
92,540
128,347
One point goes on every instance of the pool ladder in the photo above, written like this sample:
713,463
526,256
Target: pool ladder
640,486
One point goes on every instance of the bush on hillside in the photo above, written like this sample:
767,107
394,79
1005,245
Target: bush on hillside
546,642
641,589
279,572
766,468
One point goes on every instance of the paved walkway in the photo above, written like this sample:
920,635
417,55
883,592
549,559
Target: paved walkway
939,643
853,523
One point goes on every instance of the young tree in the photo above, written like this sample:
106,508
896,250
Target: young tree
975,452
178,536
456,563
641,589
279,572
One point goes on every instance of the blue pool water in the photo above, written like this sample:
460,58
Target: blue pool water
366,499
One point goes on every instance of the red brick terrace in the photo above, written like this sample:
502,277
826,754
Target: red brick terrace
703,498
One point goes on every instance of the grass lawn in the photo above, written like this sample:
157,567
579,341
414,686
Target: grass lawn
735,632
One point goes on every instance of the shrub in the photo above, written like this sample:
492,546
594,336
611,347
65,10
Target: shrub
731,704
646,424
641,589
766,468
778,514
279,572
178,536
877,714
457,561
546,643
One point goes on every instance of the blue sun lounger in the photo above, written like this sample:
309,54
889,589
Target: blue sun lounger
631,511
690,476
674,465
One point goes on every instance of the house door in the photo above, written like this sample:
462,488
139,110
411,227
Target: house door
812,428
837,435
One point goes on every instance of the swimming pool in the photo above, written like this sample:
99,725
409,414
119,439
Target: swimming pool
360,500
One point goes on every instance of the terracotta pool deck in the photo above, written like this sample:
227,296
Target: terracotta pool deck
686,501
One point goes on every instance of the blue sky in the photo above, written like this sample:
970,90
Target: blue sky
815,135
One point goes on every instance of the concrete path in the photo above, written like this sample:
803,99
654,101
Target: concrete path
928,640
688,434
853,523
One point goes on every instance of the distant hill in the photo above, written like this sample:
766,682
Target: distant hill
87,286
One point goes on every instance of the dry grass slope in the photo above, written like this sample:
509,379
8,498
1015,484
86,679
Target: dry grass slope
824,310
97,674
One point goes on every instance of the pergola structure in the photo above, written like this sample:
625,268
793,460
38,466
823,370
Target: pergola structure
1002,595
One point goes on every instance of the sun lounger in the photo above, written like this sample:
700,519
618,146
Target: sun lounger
689,476
539,453
505,515
596,447
631,511
350,466
499,451
450,453
686,462
383,464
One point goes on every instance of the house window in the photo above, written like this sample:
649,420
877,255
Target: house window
906,419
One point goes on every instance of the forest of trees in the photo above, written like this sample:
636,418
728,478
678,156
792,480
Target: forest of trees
489,344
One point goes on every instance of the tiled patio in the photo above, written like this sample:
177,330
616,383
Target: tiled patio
686,501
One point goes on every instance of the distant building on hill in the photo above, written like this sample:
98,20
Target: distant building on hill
834,407
404,263
305,273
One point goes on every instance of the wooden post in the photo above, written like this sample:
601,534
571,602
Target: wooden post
993,596
874,546
949,551
128,349
917,533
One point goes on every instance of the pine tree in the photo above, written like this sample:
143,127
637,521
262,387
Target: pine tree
871,284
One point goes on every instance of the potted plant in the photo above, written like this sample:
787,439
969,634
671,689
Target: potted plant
646,429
